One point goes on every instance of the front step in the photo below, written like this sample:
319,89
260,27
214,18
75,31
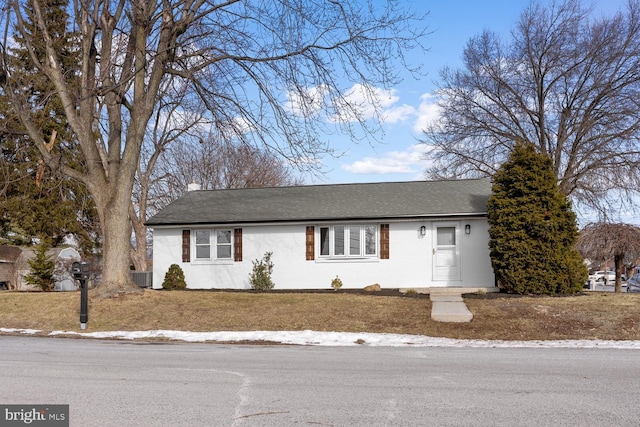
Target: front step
449,290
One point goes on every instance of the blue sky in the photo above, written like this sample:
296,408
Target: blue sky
397,156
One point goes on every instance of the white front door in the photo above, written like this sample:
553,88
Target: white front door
446,251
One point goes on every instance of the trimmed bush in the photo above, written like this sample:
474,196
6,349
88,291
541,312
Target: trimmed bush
260,277
174,279
336,284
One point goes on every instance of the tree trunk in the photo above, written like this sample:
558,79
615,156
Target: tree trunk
116,272
139,253
617,261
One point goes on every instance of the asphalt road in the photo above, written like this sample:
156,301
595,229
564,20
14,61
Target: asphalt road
115,383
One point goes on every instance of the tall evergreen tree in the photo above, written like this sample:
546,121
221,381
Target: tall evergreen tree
36,200
42,267
532,229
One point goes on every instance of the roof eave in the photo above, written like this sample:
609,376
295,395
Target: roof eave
396,218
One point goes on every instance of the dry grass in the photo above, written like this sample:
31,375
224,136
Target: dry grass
496,316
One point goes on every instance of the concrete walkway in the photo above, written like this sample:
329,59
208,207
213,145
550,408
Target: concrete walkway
447,307
447,304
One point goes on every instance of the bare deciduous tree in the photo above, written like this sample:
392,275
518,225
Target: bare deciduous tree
175,119
567,83
604,241
217,165
210,163
267,72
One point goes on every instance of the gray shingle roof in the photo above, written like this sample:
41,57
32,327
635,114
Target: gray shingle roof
9,254
387,200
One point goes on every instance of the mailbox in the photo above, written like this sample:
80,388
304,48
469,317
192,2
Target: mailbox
81,270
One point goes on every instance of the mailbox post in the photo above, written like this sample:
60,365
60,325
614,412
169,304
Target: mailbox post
81,271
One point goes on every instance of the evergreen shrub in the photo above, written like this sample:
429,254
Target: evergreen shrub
260,277
174,278
42,266
532,229
336,283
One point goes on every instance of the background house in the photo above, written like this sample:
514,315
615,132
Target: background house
400,235
14,266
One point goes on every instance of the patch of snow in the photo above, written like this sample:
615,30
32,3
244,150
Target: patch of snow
19,331
336,339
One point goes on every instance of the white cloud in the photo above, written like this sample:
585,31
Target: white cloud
428,112
307,102
398,114
363,102
409,161
378,166
369,100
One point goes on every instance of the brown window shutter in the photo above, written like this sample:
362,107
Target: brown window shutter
186,245
384,241
237,244
310,243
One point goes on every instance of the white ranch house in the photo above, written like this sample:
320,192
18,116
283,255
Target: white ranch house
419,234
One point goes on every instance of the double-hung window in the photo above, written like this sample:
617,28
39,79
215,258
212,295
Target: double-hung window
348,241
221,240
223,244
203,244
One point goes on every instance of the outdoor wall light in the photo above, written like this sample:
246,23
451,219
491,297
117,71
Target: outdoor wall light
467,229
423,231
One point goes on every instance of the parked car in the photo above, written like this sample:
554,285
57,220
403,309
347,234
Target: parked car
599,278
633,284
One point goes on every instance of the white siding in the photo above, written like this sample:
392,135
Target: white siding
409,264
